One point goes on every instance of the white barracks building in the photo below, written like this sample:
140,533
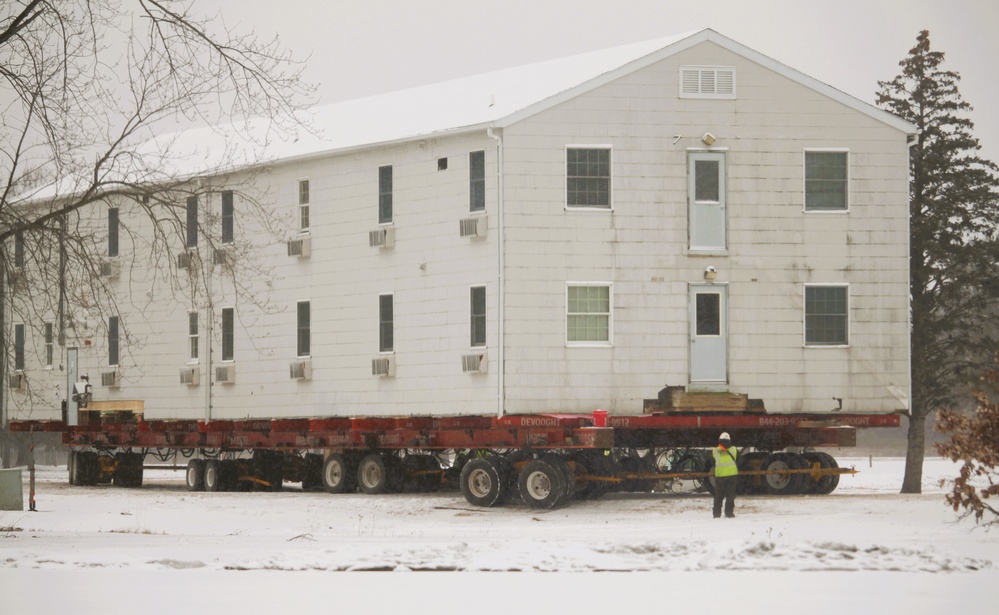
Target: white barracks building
560,237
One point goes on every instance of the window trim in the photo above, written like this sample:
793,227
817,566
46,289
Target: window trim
382,347
299,329
194,358
473,181
472,316
610,315
804,314
231,334
390,193
610,178
304,205
804,179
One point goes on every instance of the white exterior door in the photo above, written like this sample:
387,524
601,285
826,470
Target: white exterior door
708,336
706,192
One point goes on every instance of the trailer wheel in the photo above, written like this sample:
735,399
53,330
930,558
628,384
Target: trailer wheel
373,474
541,485
195,475
829,482
128,470
337,475
561,464
481,483
213,476
782,484
87,468
312,479
754,484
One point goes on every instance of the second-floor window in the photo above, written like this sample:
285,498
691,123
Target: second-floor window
113,231
826,181
19,347
19,249
588,177
192,336
385,194
49,345
478,316
192,222
477,181
228,217
303,205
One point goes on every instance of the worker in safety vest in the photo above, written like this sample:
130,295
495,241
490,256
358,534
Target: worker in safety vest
726,475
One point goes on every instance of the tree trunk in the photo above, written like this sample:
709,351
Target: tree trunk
913,480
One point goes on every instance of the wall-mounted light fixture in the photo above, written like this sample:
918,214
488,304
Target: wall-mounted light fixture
708,139
710,273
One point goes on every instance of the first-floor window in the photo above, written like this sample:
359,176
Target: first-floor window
304,329
228,334
49,345
588,314
478,316
827,321
112,340
192,336
386,324
19,347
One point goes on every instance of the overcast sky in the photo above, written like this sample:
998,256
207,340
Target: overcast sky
362,47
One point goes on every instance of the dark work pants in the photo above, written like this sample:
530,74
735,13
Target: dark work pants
725,490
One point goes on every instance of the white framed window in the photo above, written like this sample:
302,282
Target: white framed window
304,328
477,181
589,314
192,222
113,340
477,316
113,227
303,205
385,194
19,342
228,217
588,177
386,323
193,336
49,344
228,334
827,315
827,180
707,82
19,249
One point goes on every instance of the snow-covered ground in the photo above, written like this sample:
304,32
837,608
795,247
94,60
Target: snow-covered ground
865,548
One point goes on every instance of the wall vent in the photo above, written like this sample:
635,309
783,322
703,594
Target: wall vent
707,82
191,376
301,247
382,237
472,227
473,363
383,366
300,370
225,374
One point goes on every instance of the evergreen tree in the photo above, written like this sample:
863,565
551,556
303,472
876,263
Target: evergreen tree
953,201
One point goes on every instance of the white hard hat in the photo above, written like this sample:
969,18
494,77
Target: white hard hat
724,436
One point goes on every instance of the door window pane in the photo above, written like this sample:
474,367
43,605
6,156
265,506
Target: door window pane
708,312
706,184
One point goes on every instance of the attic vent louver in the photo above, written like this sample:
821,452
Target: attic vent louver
707,82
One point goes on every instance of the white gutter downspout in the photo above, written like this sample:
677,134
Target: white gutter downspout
908,252
501,264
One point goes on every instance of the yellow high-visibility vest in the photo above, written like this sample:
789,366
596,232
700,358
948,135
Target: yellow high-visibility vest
725,464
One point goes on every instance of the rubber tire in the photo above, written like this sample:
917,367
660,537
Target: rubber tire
541,485
751,485
568,477
312,480
338,476
775,484
195,475
88,468
128,470
373,474
481,482
828,483
213,476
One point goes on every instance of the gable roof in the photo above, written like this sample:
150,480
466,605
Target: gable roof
495,99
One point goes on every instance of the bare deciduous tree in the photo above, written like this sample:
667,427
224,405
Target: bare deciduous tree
88,94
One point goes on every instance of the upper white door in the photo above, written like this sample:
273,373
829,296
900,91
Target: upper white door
706,192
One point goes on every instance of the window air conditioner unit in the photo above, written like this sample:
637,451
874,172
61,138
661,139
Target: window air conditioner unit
301,247
190,376
111,380
383,366
472,227
184,260
110,270
301,370
222,256
473,363
225,374
382,237
15,381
